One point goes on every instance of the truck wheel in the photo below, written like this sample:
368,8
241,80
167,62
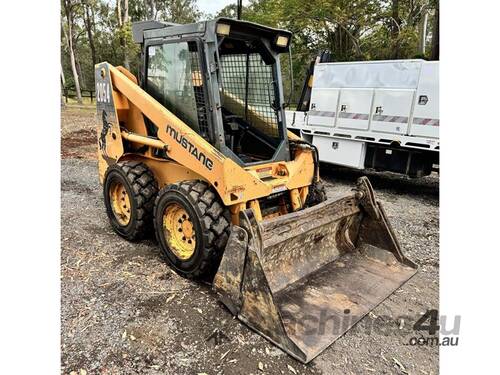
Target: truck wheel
130,189
192,227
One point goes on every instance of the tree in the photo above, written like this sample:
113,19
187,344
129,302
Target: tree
350,30
230,11
177,11
152,9
180,11
68,7
395,29
63,85
124,30
100,30
423,32
89,21
435,34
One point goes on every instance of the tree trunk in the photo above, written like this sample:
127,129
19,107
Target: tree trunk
435,35
121,24
152,9
423,31
88,21
395,25
125,11
119,12
79,70
126,60
63,85
63,79
69,39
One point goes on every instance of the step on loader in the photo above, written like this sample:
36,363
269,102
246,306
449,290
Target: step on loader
195,149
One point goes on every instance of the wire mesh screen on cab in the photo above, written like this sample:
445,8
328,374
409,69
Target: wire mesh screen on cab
248,89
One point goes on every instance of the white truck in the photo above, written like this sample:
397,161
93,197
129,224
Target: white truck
376,114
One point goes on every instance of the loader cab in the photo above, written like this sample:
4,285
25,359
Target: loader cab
223,79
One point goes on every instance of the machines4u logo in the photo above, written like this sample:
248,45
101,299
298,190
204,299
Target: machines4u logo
438,332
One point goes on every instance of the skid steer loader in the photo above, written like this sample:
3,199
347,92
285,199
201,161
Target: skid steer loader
197,151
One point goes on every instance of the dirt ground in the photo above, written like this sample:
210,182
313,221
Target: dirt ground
125,312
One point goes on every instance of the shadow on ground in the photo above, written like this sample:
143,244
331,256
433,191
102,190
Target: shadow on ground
392,182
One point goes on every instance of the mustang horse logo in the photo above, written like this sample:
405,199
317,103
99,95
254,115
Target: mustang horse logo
106,126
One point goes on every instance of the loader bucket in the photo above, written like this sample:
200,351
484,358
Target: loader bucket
303,279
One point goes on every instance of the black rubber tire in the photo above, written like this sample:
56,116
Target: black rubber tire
142,189
317,194
211,221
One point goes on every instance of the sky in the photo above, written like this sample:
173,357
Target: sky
213,6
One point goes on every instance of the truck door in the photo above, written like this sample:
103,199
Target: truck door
426,113
391,110
354,108
323,108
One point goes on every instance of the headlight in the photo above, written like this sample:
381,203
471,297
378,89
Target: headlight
223,29
282,41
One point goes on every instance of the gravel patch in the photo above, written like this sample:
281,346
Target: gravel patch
124,311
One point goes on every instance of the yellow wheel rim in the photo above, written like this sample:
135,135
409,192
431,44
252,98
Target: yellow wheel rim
120,202
179,231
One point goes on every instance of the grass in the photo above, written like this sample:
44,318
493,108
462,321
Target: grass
86,102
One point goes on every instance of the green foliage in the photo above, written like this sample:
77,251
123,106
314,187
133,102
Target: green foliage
111,41
350,30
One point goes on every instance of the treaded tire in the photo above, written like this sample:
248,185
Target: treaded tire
317,194
211,221
142,188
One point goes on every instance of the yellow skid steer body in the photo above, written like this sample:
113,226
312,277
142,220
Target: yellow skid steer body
301,278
